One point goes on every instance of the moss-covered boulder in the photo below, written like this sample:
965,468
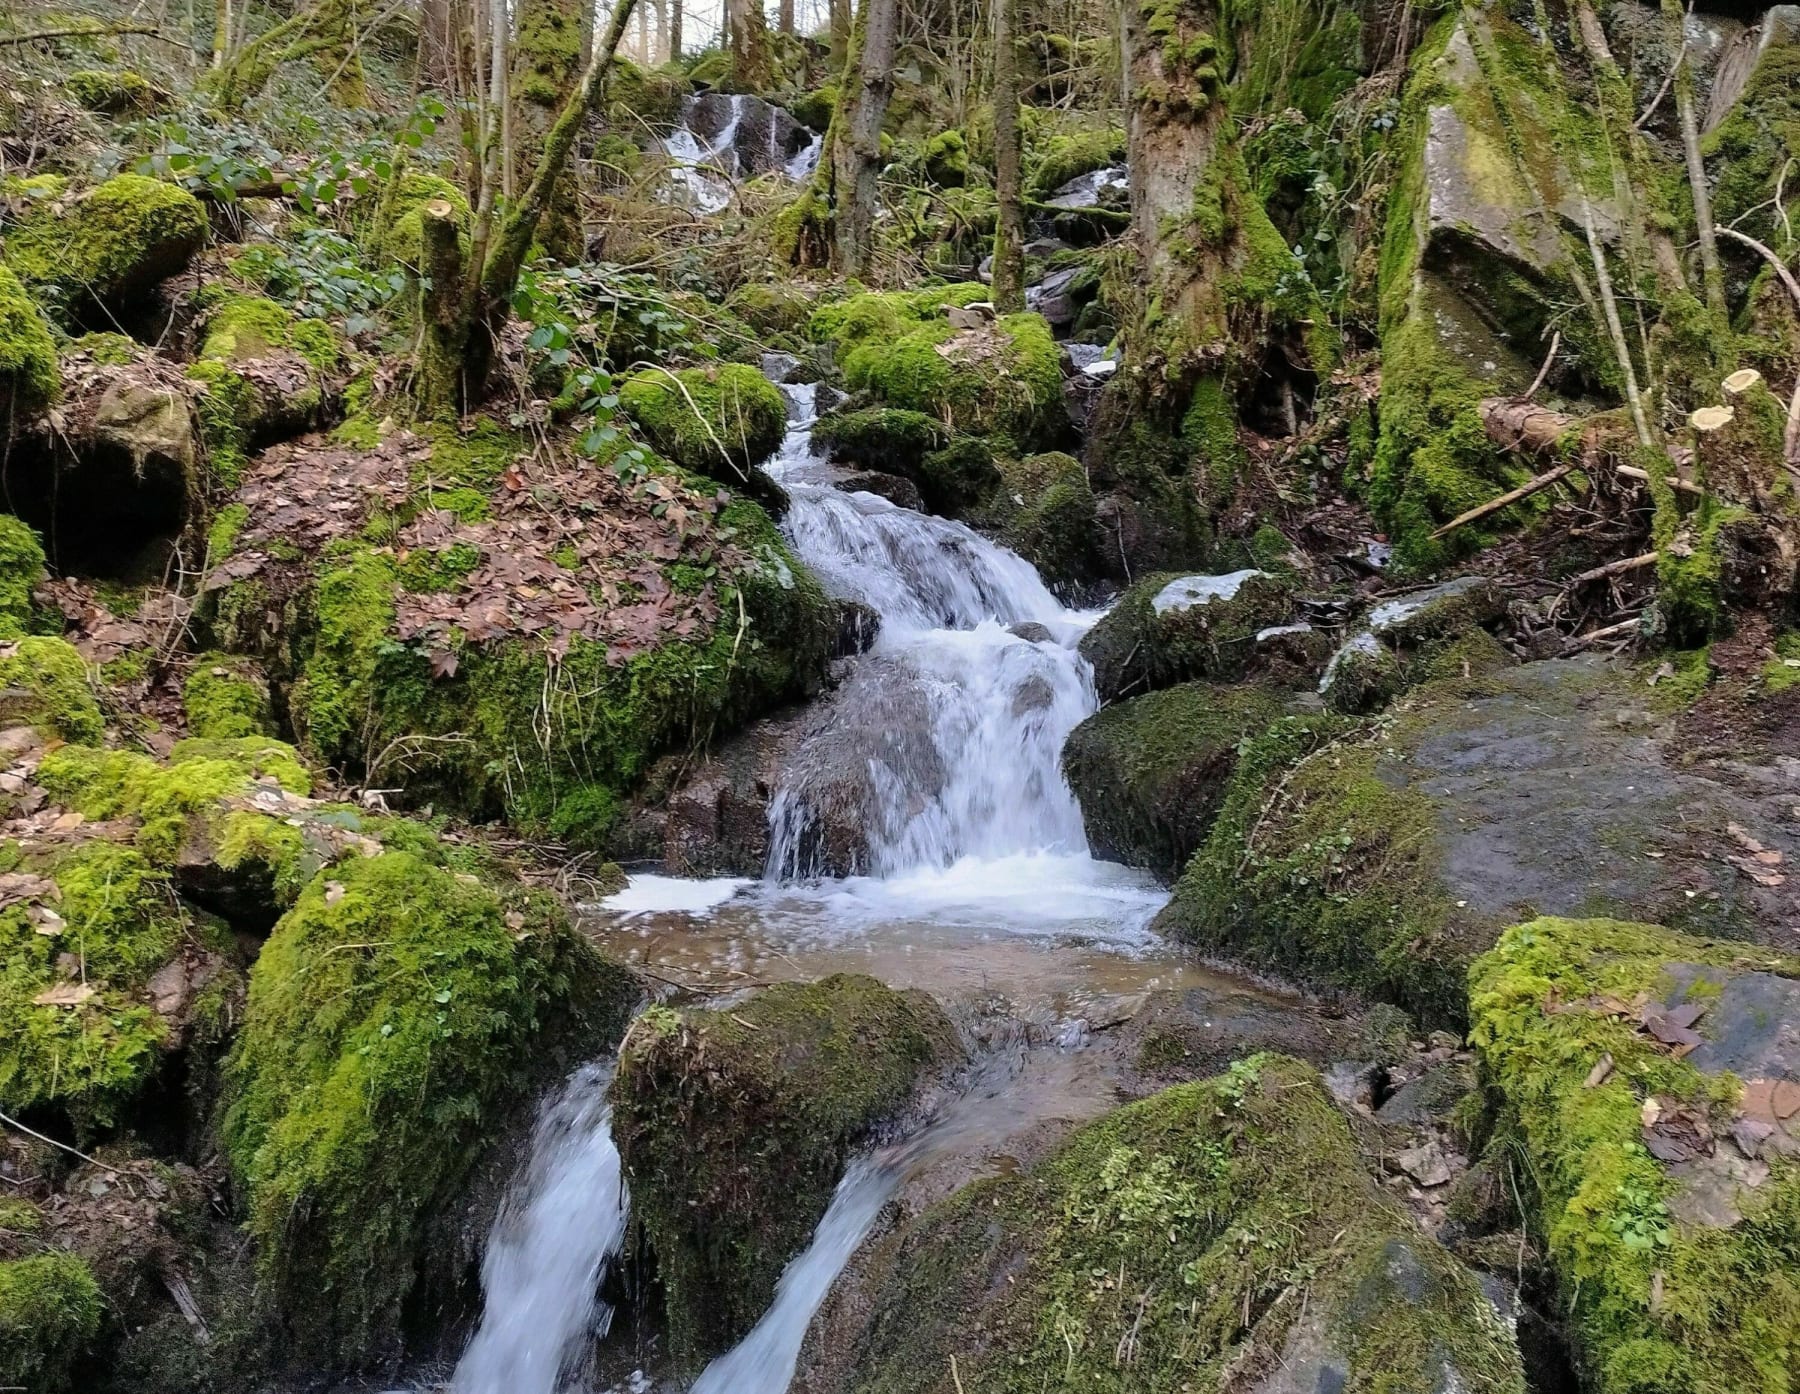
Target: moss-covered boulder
109,244
45,683
887,439
29,377
21,569
1385,855
1170,628
1150,772
115,91
771,307
1001,377
1220,1234
1363,675
722,420
226,697
1049,515
399,1016
1650,1079
50,1310
734,1126
264,374
397,224
1404,639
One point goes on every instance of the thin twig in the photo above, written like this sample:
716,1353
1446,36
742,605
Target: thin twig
15,1123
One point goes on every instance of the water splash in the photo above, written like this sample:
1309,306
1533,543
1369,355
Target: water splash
561,1223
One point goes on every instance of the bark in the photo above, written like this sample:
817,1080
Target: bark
1009,227
840,33
856,149
674,36
438,47
1711,272
751,62
785,16
546,68
662,31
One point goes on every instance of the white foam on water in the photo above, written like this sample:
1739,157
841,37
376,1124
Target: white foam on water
656,895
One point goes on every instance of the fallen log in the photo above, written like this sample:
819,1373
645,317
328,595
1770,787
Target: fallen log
1514,424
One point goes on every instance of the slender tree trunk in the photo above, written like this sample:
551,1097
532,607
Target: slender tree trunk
840,33
1009,227
546,70
674,45
856,149
437,63
661,54
785,16
751,63
1711,272
221,33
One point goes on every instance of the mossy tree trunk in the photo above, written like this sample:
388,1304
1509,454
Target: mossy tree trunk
840,33
752,64
674,44
545,71
1009,227
466,297
867,83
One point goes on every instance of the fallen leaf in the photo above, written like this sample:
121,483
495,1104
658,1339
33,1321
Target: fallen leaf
1650,1112
63,995
1786,1099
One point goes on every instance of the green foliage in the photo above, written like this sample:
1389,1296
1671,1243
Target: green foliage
21,568
29,376
44,682
1657,1304
112,242
50,1310
734,1127
398,1015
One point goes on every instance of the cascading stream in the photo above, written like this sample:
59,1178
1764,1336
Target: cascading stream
562,1221
993,650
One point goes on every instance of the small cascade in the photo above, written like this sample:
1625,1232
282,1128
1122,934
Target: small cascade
723,139
991,652
561,1222
763,1362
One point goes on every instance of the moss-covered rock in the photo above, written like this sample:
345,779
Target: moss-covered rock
1363,676
1004,378
50,1310
735,1124
1664,1178
45,683
264,374
945,158
1150,772
1249,1241
771,307
21,569
881,438
226,697
29,376
1169,628
115,91
1386,855
1049,515
398,1015
109,244
722,420
398,224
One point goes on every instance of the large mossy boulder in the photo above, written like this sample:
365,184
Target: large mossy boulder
1651,1082
1220,1234
107,245
50,1309
264,374
21,570
1385,855
722,420
29,378
1044,510
1170,628
1405,636
399,1016
46,684
996,377
1151,771
887,439
734,1126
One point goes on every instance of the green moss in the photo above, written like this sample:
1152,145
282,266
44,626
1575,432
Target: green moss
45,683
813,109
1046,513
1151,772
112,243
90,1057
881,438
242,328
395,231
1657,1303
114,91
1065,155
21,569
945,157
1200,1232
222,536
50,1310
29,376
1749,149
226,697
398,1015
735,1124
705,418
771,307
1138,647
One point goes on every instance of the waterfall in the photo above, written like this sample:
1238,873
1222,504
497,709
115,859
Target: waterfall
992,651
752,138
763,1362
561,1221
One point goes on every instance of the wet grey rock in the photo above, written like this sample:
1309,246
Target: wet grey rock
1352,1083
779,368
1031,632
896,489
764,138
1430,1097
1439,612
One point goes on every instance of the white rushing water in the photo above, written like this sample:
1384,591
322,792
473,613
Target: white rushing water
562,1221
705,169
994,651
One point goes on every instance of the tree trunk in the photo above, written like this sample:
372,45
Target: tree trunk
785,16
1712,274
1009,228
751,63
674,45
438,47
840,33
856,149
546,67
661,54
